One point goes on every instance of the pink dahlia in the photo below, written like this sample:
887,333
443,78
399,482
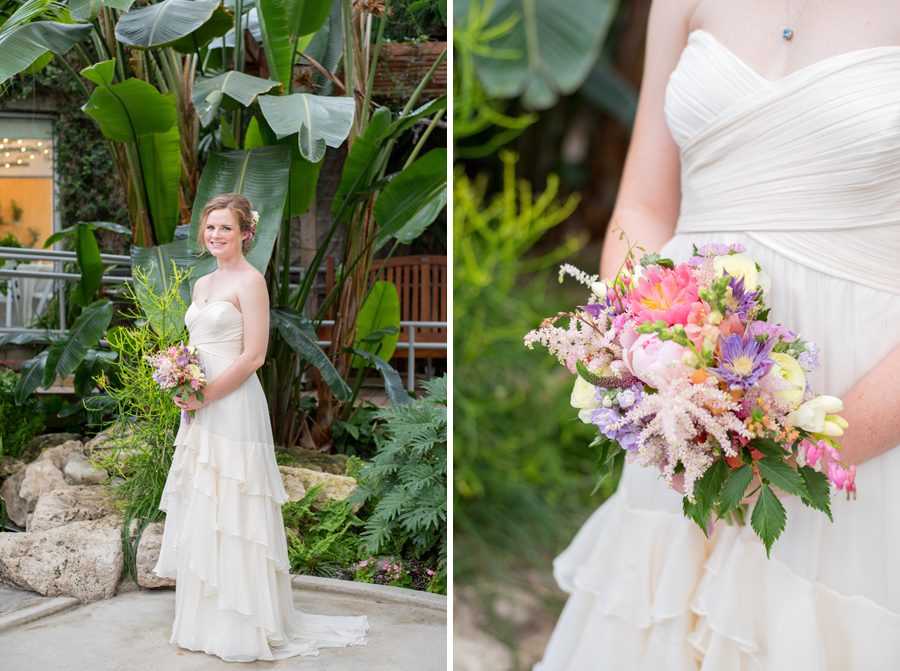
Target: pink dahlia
664,294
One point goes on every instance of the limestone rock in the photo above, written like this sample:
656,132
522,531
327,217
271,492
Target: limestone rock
59,454
80,471
147,556
298,480
81,559
73,504
39,443
16,506
40,476
44,474
318,461
10,466
111,438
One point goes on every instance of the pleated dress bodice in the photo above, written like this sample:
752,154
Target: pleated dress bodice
808,164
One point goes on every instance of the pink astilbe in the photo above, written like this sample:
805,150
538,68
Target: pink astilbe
586,339
679,413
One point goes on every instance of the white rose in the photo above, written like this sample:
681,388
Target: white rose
739,265
789,370
584,397
818,416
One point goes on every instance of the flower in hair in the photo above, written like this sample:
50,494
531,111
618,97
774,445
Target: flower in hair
254,220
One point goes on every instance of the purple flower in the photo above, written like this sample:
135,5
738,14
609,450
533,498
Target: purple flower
627,435
594,309
742,301
743,360
715,249
774,332
809,358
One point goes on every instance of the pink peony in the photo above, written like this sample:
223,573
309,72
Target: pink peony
652,360
664,294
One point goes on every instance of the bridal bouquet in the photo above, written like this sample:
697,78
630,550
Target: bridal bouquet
679,369
177,369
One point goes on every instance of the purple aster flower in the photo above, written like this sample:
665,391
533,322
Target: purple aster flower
743,360
809,358
742,301
715,249
775,332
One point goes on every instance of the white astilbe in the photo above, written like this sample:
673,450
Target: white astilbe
580,276
677,413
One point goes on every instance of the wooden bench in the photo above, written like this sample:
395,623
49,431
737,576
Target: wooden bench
421,283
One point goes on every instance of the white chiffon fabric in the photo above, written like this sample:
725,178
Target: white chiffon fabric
224,538
805,173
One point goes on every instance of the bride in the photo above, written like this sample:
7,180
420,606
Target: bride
774,124
224,536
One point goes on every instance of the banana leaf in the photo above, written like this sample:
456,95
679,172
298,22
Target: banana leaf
319,121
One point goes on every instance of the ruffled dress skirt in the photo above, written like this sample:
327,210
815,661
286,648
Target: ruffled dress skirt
224,539
648,592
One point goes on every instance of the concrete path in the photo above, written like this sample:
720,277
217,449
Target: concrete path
407,631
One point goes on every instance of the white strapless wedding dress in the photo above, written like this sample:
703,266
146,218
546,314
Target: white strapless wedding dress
224,538
805,173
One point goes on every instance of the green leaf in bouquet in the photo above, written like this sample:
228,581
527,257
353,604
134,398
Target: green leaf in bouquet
610,460
587,375
768,447
706,493
768,517
819,496
734,488
782,475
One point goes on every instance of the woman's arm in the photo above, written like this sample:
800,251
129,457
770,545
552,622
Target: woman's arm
650,192
872,409
254,301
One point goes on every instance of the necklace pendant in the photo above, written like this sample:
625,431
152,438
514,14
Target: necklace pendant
787,33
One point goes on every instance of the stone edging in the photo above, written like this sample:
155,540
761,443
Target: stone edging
376,593
35,611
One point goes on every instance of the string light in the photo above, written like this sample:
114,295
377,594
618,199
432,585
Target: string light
19,161
31,156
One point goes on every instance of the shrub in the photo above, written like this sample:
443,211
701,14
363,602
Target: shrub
18,424
146,413
324,542
406,481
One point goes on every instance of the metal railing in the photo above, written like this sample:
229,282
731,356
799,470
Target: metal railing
58,257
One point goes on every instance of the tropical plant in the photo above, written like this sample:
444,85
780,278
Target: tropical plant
406,481
76,352
18,425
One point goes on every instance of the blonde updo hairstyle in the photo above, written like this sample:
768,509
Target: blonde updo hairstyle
239,206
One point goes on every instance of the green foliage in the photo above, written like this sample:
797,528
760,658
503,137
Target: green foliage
321,542
356,436
524,470
768,517
146,413
725,491
406,482
18,424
